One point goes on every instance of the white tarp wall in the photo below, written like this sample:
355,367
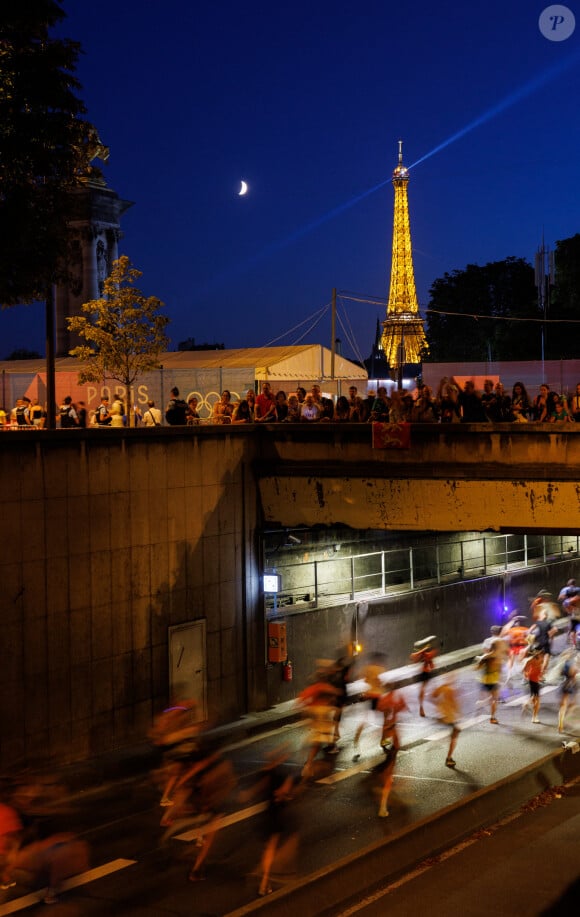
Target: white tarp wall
204,374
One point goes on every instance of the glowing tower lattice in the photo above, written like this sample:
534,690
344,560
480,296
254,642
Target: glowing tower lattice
403,336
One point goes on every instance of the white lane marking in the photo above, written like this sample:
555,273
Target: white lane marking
223,822
443,732
83,878
429,779
427,865
366,765
250,740
408,877
302,723
19,904
97,873
522,699
518,701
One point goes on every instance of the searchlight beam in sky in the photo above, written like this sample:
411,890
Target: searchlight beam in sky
516,96
522,92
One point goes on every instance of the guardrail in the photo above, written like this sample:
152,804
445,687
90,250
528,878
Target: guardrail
319,583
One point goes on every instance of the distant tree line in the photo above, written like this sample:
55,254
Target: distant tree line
22,353
46,146
189,344
472,309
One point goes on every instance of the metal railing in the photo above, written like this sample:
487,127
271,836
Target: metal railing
350,577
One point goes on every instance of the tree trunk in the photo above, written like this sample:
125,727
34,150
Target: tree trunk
50,374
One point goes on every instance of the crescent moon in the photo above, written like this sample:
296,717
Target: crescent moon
243,190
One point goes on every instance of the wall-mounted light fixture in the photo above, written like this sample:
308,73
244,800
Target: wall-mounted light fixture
292,539
272,583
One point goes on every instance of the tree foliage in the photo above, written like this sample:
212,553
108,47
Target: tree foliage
22,353
123,331
472,308
45,147
470,311
564,301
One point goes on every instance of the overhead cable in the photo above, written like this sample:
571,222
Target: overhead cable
320,312
313,326
349,333
475,315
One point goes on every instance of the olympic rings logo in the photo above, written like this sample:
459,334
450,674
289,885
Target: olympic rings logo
206,402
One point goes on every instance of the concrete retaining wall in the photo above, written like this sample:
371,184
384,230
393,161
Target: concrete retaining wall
460,615
108,539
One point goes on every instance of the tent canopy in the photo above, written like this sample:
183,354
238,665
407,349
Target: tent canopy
311,362
201,372
308,362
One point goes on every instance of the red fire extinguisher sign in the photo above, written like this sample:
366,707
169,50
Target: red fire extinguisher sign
277,651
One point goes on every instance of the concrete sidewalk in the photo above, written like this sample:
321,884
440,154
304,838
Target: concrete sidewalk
126,763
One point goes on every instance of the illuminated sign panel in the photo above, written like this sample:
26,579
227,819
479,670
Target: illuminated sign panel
272,582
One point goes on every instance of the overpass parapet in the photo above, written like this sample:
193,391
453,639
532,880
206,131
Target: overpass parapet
458,450
472,477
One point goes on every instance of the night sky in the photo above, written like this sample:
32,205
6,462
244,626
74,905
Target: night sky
306,102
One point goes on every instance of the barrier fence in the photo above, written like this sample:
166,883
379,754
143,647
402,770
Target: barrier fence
354,577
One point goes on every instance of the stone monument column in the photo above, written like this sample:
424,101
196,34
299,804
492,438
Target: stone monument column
96,232
113,236
90,287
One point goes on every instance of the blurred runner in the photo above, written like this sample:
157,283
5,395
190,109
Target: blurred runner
567,593
372,673
543,602
446,699
174,734
490,664
212,784
390,704
568,687
318,703
278,786
541,633
515,632
32,851
424,652
532,672
573,610
10,839
339,676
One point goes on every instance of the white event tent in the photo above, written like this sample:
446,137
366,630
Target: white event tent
204,373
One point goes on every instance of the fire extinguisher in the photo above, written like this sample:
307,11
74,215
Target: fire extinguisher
287,671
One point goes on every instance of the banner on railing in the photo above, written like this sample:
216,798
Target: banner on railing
391,435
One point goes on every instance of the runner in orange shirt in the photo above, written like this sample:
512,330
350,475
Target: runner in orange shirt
532,671
516,634
424,653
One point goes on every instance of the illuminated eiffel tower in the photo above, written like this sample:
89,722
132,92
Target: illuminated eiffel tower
403,336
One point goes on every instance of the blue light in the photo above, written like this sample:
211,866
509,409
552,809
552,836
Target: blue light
522,92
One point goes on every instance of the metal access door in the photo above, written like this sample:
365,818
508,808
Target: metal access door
187,669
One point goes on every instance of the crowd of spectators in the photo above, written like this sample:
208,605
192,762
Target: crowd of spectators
452,403
457,404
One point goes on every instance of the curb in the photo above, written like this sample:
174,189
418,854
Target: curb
321,894
254,724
